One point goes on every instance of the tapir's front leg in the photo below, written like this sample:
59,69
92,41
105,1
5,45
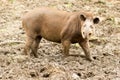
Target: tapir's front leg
66,46
85,46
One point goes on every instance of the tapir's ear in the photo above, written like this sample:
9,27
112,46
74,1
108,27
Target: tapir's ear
96,20
82,17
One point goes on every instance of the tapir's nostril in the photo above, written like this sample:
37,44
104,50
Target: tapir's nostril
90,34
83,32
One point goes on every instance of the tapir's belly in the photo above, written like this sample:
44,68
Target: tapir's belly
51,33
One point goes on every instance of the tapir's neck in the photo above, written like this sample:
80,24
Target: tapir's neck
79,26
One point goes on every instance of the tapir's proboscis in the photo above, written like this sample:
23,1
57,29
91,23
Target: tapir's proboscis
58,26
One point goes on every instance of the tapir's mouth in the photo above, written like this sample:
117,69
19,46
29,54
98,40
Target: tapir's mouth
86,36
83,35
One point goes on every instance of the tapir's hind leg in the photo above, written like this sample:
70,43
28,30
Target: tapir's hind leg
28,46
35,46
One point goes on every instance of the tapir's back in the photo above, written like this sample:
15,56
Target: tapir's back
46,14
47,22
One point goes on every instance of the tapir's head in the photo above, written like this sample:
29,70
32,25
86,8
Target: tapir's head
87,24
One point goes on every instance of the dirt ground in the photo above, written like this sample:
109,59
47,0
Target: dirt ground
50,65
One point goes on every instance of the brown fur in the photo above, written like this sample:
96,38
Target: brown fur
56,26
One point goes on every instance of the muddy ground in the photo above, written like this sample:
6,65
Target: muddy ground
50,65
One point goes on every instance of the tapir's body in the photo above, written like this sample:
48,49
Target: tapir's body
48,23
56,26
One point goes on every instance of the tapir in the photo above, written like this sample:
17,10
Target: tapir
60,27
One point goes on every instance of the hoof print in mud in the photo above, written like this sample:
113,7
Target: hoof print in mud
96,57
46,75
43,69
79,74
87,75
33,74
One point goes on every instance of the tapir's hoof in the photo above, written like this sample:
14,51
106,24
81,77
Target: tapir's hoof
90,59
23,53
36,56
65,56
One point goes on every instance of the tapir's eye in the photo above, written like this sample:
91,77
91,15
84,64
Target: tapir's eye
91,26
85,25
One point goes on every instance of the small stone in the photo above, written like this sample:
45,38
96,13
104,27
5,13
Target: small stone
79,74
8,63
32,74
46,75
0,77
90,74
75,76
106,72
22,32
10,77
94,57
105,54
43,69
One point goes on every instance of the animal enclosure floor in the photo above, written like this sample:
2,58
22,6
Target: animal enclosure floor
51,65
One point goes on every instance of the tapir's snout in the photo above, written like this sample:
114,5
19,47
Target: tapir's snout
87,35
87,31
